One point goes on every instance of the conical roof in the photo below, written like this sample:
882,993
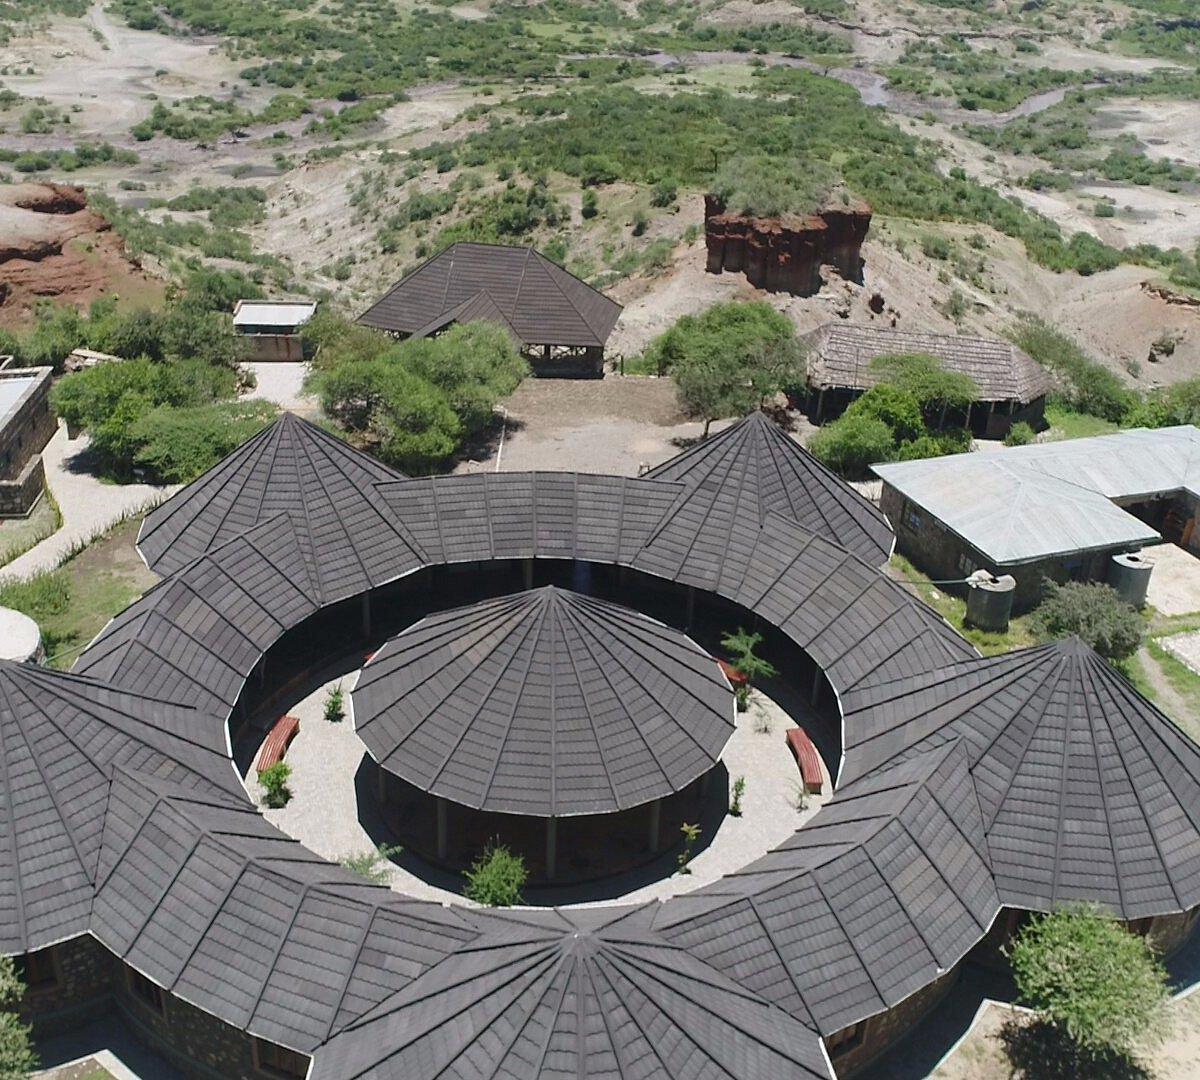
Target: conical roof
756,468
351,541
546,703
885,889
1088,792
60,738
581,994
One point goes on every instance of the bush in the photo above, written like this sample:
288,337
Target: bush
733,328
1169,406
17,1058
853,443
1092,979
741,649
1020,434
897,408
590,206
938,392
496,878
178,445
275,784
335,709
1093,612
1084,385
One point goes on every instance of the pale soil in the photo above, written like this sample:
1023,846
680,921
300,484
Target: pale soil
981,1055
1174,582
1167,130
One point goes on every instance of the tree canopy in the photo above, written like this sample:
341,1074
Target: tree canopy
1095,613
17,1058
1092,979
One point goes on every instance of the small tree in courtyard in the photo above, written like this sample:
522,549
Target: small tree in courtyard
496,878
741,647
1092,981
1094,612
274,780
17,1058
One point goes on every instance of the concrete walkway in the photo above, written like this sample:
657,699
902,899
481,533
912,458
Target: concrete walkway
89,506
332,808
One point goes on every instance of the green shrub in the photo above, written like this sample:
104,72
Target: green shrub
1093,612
1084,385
373,864
17,1057
1020,434
1092,979
41,597
590,206
176,445
274,780
1168,406
335,707
896,407
691,833
853,443
741,648
496,878
939,393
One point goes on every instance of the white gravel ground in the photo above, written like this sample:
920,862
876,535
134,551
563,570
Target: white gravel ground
324,811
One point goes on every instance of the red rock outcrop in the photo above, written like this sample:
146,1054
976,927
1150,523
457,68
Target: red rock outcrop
786,254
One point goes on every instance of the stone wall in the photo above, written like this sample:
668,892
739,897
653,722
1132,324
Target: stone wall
81,991
24,432
196,1043
18,496
786,254
874,1035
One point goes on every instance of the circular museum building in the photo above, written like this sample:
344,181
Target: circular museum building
548,721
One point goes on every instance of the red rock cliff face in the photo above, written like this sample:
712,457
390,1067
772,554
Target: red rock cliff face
786,254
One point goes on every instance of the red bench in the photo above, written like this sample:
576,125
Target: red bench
278,740
807,759
735,677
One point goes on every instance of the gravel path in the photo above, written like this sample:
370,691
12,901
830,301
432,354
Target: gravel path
283,384
89,506
324,811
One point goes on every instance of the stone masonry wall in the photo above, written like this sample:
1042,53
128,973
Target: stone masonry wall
82,991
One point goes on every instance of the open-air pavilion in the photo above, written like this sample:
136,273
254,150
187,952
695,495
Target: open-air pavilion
546,711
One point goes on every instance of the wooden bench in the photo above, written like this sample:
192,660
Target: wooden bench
807,759
278,740
735,677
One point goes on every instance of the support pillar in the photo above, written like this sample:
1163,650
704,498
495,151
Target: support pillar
820,405
691,608
815,697
655,826
551,847
442,830
366,615
381,782
527,570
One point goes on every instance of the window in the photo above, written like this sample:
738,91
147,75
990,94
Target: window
847,1039
39,970
911,518
148,993
279,1060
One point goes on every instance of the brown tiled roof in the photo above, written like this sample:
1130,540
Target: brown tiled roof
840,356
516,286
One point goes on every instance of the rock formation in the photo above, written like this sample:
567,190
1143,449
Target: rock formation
786,254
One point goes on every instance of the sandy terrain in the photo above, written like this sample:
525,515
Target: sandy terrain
1167,130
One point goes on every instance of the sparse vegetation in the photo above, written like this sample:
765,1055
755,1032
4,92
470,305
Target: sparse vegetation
374,864
17,1057
691,833
335,707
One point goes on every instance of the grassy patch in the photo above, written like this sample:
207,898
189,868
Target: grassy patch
73,603
1184,681
954,610
1068,424
18,535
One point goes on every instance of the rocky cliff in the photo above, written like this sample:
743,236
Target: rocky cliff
786,254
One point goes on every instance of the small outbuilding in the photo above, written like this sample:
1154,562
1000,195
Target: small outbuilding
1012,385
560,323
543,713
273,327
26,425
1059,511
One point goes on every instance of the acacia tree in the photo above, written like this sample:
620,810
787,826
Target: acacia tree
17,1058
1092,980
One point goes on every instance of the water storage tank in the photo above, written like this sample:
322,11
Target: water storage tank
1129,574
990,600
20,638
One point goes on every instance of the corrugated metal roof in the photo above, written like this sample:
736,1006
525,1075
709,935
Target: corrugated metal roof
536,299
544,703
1046,499
841,354
1088,792
284,314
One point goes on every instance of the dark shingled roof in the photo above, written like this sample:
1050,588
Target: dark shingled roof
887,887
544,703
557,995
840,356
292,467
534,298
1088,792
60,738
209,901
755,468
